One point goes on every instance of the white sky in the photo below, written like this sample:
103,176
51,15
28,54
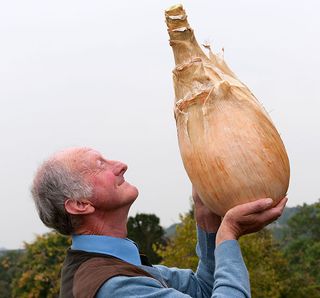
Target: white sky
98,73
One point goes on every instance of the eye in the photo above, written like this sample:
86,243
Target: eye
100,163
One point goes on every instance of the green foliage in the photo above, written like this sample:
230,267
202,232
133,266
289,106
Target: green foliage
40,267
305,224
301,245
286,270
180,250
266,264
8,269
146,231
278,226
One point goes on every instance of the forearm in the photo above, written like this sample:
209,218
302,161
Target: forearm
206,267
221,271
200,283
231,275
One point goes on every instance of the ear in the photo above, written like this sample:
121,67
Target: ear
76,207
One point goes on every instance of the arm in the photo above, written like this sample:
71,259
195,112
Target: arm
180,282
238,221
230,276
199,284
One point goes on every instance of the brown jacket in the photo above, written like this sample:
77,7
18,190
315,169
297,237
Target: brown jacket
83,273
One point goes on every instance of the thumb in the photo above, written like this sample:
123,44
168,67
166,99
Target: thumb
254,207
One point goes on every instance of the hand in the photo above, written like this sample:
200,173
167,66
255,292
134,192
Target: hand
206,220
248,218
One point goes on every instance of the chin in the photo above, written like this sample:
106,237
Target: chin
135,192
129,192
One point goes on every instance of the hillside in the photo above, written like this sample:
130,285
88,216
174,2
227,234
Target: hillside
276,227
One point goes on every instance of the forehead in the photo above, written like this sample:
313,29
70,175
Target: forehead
78,157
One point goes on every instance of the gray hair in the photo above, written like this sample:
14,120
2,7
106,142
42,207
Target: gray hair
53,184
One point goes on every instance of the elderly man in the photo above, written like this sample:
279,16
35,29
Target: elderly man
78,192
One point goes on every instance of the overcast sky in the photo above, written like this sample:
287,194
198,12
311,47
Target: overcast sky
98,73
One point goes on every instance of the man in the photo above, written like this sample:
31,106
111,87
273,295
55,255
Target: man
80,193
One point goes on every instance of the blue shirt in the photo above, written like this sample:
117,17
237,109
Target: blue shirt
221,271
124,249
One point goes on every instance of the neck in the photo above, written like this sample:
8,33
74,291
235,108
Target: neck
108,223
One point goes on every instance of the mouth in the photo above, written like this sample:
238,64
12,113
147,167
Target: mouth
121,177
121,181
120,174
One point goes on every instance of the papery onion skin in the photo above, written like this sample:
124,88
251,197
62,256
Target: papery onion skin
230,148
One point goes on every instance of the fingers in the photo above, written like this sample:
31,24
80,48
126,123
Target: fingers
253,207
195,195
278,209
268,216
282,203
275,212
248,218
196,199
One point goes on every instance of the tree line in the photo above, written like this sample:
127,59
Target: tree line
283,262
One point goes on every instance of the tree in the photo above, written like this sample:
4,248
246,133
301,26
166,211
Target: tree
40,266
301,246
266,264
8,269
180,251
146,231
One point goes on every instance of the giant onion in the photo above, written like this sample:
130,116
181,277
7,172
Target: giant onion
229,146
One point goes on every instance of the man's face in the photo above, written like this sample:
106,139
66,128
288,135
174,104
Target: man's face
110,190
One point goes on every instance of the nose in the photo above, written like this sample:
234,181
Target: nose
119,167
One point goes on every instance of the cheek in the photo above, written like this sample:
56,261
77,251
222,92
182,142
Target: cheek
106,177
104,181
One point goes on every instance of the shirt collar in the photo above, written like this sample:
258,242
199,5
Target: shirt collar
121,248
